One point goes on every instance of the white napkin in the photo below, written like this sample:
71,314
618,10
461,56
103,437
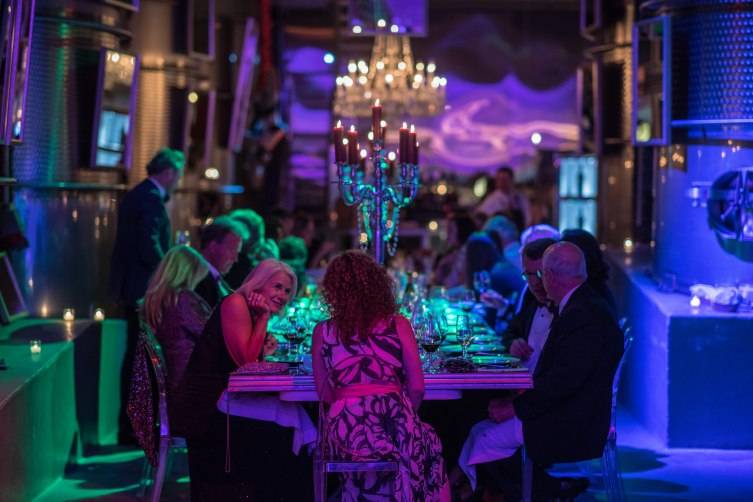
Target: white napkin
271,409
489,441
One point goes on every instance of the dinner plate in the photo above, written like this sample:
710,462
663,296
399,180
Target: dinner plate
502,360
263,368
474,347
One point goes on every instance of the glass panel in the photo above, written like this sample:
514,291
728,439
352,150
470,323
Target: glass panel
650,113
114,113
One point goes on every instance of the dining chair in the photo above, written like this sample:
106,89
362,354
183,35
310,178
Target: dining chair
610,467
324,464
167,442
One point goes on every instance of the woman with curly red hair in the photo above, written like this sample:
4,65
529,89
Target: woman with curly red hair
366,367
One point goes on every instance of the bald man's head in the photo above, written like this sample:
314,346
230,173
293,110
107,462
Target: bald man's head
564,268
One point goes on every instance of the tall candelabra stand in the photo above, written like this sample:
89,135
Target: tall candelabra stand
379,202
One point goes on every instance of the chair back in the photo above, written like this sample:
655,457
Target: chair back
159,369
627,342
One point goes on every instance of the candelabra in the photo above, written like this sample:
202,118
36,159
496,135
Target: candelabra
378,203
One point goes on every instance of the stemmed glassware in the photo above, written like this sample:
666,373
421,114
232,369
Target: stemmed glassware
481,281
466,300
430,339
464,333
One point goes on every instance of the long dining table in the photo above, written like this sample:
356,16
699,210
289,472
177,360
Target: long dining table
439,386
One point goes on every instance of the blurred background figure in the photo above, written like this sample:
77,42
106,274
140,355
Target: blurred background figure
505,199
255,232
460,226
293,252
596,266
221,243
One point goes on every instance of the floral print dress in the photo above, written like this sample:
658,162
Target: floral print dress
380,426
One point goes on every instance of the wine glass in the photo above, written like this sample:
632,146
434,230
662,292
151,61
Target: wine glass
290,330
430,339
464,334
298,336
466,299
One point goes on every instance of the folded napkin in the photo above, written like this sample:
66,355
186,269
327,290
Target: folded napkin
272,409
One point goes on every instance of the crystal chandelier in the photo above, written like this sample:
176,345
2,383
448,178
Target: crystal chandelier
403,88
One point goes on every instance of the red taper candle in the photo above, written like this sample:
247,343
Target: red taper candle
404,143
353,146
337,138
376,120
412,146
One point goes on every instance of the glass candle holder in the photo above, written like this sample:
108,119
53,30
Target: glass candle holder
69,314
35,346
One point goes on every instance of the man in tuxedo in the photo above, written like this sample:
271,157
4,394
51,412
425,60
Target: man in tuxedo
141,240
221,242
565,417
528,330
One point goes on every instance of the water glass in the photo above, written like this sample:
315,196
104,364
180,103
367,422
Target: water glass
464,334
481,281
467,300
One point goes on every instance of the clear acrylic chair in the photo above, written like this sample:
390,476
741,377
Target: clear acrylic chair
167,442
610,466
324,464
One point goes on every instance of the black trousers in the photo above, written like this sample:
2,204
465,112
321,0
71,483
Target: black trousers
505,476
262,466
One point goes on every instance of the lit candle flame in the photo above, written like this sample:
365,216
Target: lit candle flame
405,125
412,128
339,123
376,103
352,128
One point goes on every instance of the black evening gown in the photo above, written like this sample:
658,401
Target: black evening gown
258,461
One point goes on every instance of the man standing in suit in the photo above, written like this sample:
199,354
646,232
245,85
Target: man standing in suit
221,242
142,239
566,416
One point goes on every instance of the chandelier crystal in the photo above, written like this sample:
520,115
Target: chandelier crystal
403,88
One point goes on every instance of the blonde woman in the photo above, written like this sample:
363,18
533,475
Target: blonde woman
174,312
257,450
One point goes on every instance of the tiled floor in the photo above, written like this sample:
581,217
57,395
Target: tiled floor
649,473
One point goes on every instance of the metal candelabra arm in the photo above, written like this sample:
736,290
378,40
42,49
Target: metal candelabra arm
349,189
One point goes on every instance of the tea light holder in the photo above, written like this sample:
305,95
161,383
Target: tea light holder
99,315
628,245
35,346
69,315
695,302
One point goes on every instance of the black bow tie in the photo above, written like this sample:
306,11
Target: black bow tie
550,306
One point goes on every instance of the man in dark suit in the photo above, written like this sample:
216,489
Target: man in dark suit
221,242
528,330
142,239
565,417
